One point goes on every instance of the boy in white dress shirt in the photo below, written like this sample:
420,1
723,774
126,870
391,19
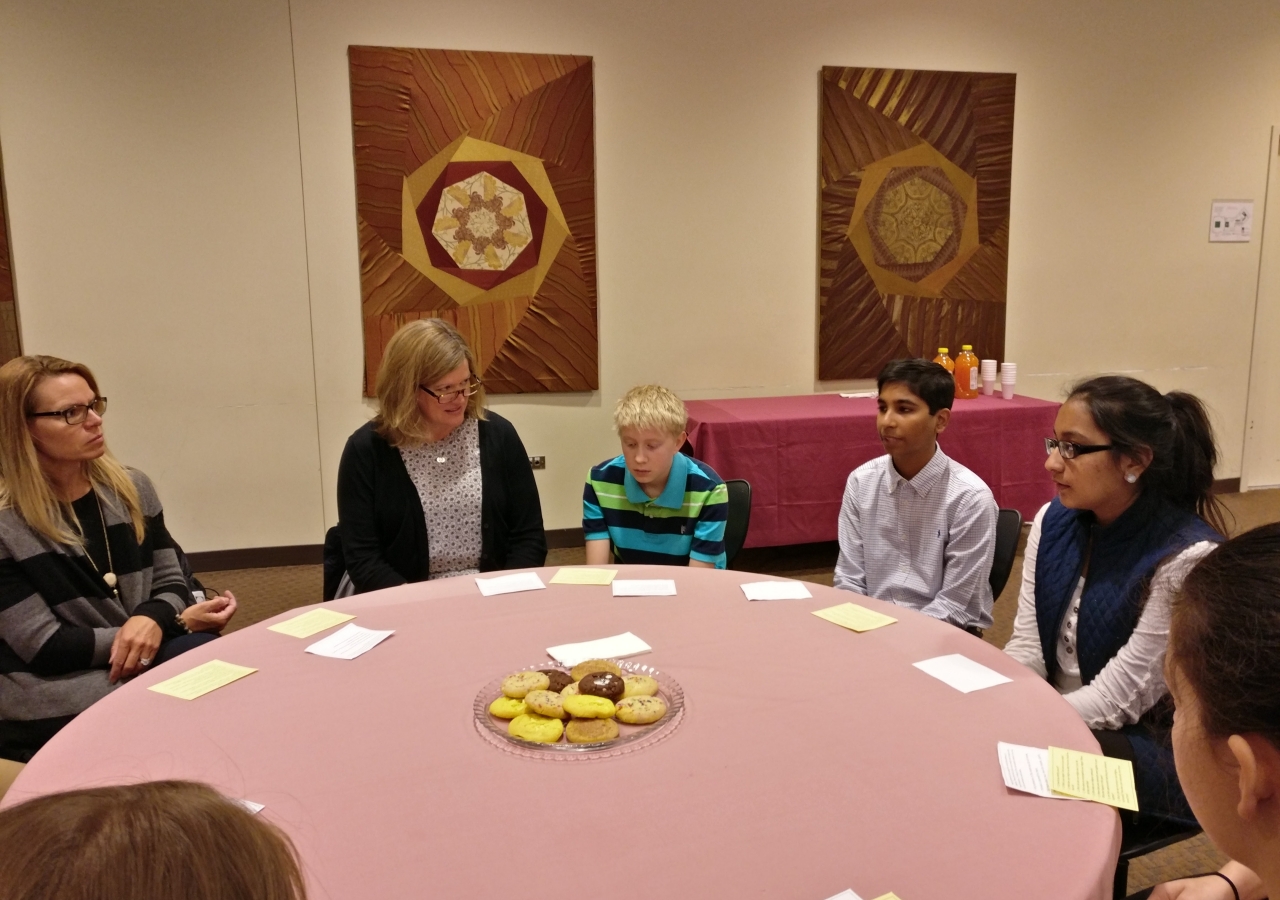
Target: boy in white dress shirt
917,528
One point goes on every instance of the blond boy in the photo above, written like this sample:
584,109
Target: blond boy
653,504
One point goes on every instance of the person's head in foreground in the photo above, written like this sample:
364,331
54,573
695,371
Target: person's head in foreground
152,841
1223,669
650,421
914,401
427,384
1116,438
52,447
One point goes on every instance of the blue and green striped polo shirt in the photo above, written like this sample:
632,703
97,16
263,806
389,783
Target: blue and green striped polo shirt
686,521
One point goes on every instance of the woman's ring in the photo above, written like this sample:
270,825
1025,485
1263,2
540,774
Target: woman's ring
145,662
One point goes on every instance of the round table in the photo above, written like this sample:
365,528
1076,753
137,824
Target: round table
810,758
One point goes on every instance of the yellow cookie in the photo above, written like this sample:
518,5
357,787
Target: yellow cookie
569,690
584,706
507,708
521,683
641,710
591,731
533,727
545,703
583,669
638,686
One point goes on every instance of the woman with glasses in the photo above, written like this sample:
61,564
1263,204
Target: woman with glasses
1134,513
91,589
434,485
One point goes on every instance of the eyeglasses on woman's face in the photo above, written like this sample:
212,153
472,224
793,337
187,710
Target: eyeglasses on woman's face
1070,449
449,393
75,415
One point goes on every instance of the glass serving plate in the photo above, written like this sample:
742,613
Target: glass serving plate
630,737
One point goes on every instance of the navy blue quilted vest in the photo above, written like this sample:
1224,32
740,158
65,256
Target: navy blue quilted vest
1124,556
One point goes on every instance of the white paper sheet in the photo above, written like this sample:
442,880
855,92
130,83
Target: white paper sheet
616,647
1026,769
656,587
961,672
254,808
349,642
846,894
856,395
776,590
510,584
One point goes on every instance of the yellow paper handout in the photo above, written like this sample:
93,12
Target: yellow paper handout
1088,776
889,896
202,679
580,575
854,617
310,623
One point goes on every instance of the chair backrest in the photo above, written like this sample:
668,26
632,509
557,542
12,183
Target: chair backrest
739,518
1008,530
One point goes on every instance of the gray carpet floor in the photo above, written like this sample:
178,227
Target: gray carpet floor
263,593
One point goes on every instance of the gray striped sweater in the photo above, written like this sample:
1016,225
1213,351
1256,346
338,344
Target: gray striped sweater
57,617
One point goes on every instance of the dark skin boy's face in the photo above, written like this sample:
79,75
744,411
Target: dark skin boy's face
907,430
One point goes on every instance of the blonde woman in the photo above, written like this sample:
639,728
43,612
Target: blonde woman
91,590
434,485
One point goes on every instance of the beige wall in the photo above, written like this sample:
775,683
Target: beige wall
176,131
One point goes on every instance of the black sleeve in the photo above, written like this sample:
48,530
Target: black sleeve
358,518
68,649
163,614
526,538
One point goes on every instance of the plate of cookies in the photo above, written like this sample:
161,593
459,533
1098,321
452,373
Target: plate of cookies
596,709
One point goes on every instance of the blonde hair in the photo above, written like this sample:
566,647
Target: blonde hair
417,354
651,406
147,841
23,484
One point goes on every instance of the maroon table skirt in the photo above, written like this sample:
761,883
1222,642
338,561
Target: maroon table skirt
797,452
809,759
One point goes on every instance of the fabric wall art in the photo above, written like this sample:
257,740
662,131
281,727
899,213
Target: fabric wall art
475,201
914,176
10,339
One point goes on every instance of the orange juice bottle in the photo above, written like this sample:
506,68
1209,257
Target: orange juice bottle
968,374
945,361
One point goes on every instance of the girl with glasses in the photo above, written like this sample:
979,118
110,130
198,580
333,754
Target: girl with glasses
91,588
1134,513
435,485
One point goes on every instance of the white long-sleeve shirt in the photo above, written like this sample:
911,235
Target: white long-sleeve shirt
1133,681
926,543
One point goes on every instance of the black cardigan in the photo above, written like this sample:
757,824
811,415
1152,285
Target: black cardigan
384,531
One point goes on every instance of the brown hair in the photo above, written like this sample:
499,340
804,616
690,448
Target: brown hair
1175,427
23,484
419,353
152,841
1224,636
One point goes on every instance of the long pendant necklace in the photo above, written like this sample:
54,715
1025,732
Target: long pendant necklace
108,577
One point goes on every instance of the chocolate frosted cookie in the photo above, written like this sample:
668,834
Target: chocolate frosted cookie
602,684
559,680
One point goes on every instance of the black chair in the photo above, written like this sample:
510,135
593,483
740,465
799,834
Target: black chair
1008,530
739,518
334,564
1146,838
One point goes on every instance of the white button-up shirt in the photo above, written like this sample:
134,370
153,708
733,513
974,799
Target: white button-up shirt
926,543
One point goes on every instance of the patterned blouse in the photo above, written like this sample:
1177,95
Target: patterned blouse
447,477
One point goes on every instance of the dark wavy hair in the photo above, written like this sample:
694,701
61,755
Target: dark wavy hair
1224,635
1174,427
927,380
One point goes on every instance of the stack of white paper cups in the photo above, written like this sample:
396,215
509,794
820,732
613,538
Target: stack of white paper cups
988,376
1008,378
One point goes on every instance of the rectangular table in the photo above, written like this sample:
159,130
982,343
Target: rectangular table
797,452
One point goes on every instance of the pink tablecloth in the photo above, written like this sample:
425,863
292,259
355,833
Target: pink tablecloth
811,759
797,453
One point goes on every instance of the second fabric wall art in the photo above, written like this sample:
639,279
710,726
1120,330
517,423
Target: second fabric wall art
914,173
